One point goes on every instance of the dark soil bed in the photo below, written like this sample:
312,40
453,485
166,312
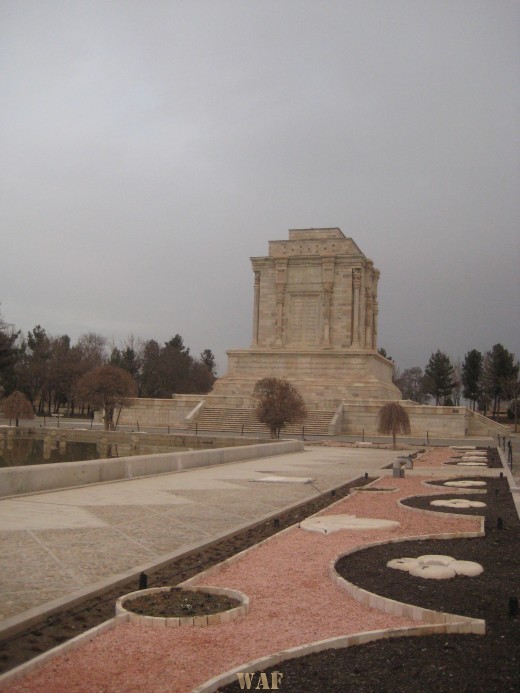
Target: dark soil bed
480,664
180,602
70,623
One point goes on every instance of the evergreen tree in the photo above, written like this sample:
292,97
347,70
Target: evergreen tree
9,355
208,359
439,374
151,376
502,371
471,376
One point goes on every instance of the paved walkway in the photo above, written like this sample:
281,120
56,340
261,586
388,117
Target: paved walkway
56,545
288,574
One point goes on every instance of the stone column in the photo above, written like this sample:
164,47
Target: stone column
280,282
368,317
327,302
374,331
375,279
356,285
256,309
327,265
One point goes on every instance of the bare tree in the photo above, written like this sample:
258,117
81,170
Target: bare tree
17,406
107,387
278,403
411,384
93,348
393,419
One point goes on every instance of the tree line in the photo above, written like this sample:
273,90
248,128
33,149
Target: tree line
485,380
50,370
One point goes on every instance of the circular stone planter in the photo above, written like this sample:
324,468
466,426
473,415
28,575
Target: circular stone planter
176,621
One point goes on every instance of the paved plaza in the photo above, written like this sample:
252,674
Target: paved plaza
59,543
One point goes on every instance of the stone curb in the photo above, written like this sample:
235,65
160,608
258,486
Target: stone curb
175,622
342,641
80,640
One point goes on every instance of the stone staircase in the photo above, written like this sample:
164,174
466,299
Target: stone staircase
244,420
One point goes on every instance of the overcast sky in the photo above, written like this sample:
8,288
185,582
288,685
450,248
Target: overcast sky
149,148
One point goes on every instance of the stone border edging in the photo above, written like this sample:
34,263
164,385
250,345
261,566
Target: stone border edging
32,664
175,622
462,624
342,641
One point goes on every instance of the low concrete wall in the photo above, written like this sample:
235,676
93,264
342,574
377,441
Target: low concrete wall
449,422
46,477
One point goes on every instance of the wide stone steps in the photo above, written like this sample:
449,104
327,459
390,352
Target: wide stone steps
244,420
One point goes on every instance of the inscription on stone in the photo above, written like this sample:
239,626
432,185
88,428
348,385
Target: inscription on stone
304,322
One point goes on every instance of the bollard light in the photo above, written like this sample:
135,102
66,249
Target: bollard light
143,581
500,523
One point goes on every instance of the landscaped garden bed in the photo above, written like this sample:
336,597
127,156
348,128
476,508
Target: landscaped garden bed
448,663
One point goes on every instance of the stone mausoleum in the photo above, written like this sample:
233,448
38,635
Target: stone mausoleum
315,316
315,311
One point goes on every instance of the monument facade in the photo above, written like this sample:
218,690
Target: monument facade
315,317
315,311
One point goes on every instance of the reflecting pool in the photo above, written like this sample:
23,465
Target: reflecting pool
19,450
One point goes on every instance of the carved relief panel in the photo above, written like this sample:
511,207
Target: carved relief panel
304,319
